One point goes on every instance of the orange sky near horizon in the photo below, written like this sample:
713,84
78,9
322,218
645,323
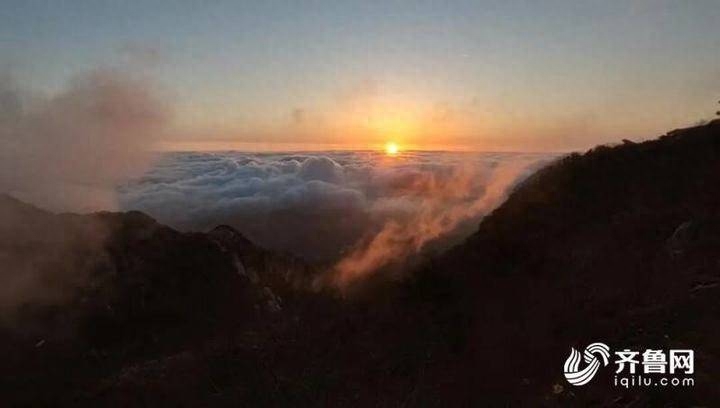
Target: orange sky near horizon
467,75
373,115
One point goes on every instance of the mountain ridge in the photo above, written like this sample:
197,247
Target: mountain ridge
619,245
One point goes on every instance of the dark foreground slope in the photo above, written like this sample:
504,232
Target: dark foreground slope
620,245
116,308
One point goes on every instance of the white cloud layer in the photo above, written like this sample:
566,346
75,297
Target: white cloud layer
363,210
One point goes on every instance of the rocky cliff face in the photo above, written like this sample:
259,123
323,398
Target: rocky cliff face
618,245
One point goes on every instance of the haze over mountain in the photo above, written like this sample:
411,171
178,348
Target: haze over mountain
69,150
615,244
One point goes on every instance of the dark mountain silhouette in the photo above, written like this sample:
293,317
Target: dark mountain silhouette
619,245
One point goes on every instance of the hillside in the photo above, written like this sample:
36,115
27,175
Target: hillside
91,300
618,245
116,309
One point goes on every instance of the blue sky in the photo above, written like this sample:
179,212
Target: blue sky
488,74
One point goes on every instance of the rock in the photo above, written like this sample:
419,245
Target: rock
680,239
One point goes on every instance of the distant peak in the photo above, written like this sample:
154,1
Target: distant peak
228,234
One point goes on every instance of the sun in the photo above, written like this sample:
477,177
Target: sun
391,148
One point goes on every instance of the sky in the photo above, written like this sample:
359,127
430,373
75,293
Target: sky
465,75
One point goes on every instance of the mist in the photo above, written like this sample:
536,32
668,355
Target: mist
46,259
69,150
444,206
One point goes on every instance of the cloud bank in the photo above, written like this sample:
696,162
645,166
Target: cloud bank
356,211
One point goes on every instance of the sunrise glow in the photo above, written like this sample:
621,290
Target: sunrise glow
391,149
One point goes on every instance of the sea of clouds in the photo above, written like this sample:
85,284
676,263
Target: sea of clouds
86,148
359,211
